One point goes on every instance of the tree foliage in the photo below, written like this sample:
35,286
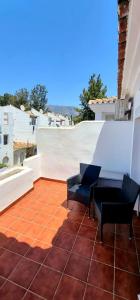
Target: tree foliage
38,97
22,98
95,90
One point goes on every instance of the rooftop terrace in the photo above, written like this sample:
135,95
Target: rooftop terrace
49,252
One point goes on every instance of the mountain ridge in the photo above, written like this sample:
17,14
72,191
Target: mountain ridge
63,109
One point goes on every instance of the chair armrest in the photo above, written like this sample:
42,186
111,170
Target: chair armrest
107,194
74,180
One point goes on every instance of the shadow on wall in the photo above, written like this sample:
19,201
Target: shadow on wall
113,147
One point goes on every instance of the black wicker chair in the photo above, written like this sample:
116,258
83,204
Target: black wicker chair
80,187
115,205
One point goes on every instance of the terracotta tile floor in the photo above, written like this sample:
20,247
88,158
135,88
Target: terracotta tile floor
50,252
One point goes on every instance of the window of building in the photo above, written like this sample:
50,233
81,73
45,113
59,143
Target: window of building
0,139
5,160
33,121
5,139
5,119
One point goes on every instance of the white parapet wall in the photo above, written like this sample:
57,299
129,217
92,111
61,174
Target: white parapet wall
108,144
34,163
14,183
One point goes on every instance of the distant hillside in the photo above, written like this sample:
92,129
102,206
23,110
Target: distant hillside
64,110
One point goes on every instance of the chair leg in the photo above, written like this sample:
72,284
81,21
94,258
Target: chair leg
130,231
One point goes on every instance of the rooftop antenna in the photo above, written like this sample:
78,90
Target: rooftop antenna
22,107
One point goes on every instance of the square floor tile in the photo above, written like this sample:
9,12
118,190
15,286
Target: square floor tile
104,254
65,240
38,251
18,246
20,226
57,258
101,275
108,237
126,261
10,291
122,229
31,296
97,294
8,262
46,282
2,280
70,226
76,206
6,220
83,247
24,272
55,223
127,285
123,242
90,222
48,236
7,238
42,218
78,267
70,289
34,230
87,232
75,216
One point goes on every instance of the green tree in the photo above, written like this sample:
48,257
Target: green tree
7,99
95,90
38,97
22,98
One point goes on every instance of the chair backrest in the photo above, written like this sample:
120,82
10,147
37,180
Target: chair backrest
89,173
130,189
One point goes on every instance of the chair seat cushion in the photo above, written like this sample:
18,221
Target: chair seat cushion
80,192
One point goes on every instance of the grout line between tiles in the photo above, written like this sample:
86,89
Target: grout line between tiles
68,258
91,261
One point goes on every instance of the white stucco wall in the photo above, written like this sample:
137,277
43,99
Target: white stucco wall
34,163
14,187
131,81
102,109
103,143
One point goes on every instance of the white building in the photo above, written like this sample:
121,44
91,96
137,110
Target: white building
58,120
24,129
6,137
104,108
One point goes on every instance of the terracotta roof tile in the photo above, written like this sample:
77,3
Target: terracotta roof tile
123,12
103,100
22,145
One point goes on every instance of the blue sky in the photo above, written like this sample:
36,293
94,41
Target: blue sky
59,43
